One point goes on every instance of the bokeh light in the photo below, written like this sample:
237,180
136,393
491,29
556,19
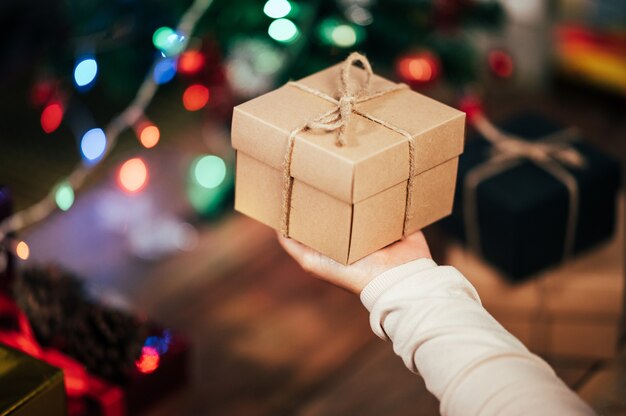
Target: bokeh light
168,41
148,362
93,144
22,250
51,117
500,63
160,37
209,202
335,32
149,135
42,92
277,8
195,97
190,62
209,171
164,70
64,196
283,30
420,67
160,344
85,71
344,36
133,175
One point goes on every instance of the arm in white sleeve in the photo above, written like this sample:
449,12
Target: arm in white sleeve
436,322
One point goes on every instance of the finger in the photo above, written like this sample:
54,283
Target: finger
309,259
416,236
296,250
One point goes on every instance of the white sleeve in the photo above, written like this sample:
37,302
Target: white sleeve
436,322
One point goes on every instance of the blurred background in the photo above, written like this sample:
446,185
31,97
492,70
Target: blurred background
133,273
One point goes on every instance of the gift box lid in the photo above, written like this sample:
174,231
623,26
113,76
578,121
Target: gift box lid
376,157
29,386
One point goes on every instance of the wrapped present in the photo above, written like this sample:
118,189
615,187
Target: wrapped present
114,362
527,204
572,311
345,161
29,387
86,393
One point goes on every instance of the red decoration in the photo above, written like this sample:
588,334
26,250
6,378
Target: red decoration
418,68
500,63
78,382
471,106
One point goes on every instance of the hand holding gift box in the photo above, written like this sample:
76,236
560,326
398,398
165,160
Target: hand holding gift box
345,161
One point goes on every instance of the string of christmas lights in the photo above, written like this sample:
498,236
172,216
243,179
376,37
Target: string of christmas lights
96,144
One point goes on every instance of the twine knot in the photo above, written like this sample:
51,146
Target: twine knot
339,117
552,148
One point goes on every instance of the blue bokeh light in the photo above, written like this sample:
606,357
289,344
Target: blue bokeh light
93,144
164,70
85,71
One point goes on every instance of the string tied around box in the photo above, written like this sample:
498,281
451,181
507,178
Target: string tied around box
551,153
337,120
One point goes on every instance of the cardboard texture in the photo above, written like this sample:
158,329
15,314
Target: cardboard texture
571,311
349,201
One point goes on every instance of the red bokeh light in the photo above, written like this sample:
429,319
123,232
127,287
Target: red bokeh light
471,106
500,63
190,62
133,175
51,117
195,97
149,360
421,67
42,92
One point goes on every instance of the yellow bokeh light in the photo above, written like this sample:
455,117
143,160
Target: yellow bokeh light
22,250
149,136
133,175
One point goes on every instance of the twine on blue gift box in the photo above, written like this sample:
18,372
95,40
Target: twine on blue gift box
550,153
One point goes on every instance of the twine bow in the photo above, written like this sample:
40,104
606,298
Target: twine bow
551,153
339,117
551,148
337,120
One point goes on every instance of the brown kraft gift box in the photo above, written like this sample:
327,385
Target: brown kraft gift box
346,201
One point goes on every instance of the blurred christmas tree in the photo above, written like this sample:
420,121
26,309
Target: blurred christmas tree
83,62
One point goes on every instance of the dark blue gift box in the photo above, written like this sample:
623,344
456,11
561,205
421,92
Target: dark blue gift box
521,213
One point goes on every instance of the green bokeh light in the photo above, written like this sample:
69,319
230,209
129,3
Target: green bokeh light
277,8
344,36
161,37
335,32
209,171
64,196
283,30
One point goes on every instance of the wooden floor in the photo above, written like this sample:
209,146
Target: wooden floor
271,340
